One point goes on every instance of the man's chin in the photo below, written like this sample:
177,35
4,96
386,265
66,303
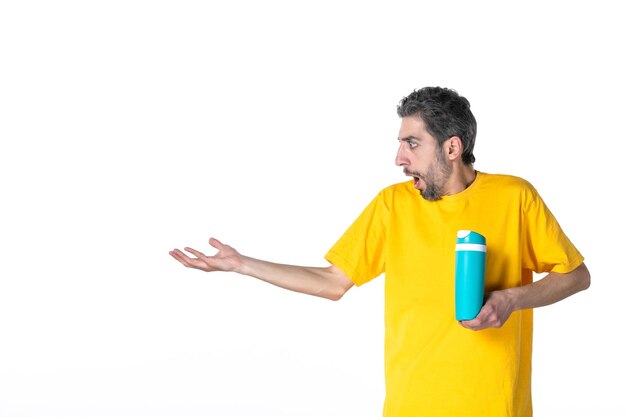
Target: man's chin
430,194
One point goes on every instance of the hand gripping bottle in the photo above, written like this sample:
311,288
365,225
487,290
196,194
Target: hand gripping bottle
469,279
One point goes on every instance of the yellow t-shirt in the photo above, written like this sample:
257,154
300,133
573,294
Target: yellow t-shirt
433,366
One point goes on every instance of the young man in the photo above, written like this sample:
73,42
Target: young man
434,365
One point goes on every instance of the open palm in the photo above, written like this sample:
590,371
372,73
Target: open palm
226,258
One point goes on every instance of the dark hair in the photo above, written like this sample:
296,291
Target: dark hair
445,114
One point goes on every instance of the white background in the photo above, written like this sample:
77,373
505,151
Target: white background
129,128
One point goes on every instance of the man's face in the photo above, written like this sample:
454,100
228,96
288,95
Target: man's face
422,158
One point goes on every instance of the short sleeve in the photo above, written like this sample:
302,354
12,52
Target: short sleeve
360,252
546,247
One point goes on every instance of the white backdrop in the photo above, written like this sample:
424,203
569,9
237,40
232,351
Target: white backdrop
129,128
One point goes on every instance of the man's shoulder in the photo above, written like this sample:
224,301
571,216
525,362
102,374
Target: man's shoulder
392,195
507,184
401,189
504,179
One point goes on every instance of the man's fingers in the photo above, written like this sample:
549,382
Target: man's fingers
469,324
478,322
197,254
189,262
180,257
473,325
202,261
473,322
216,243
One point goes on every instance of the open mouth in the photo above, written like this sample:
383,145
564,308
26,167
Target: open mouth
416,179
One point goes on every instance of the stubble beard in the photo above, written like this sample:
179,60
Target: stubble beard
435,178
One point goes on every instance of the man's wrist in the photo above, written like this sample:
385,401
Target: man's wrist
513,297
245,266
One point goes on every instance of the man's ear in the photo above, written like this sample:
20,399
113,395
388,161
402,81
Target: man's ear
454,148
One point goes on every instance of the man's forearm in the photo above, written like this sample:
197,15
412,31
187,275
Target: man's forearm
552,288
548,290
328,282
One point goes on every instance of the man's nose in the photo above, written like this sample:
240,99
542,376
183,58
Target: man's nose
401,159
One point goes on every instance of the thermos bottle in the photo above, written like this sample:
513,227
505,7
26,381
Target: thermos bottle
469,280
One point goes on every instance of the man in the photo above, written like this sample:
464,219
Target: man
435,366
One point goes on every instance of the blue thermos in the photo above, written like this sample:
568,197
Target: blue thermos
469,279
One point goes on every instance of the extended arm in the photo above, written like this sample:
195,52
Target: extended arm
327,282
552,288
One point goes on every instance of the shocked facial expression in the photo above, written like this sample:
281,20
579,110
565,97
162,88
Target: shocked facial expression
423,158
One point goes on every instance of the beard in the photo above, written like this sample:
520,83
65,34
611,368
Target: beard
434,178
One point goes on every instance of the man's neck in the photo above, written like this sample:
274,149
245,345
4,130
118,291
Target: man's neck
461,178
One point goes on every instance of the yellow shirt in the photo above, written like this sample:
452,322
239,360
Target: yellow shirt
433,366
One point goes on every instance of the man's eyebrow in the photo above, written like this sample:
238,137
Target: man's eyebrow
408,138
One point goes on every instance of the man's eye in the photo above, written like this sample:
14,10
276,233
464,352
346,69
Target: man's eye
412,145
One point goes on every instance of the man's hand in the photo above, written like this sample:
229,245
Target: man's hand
494,313
226,259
